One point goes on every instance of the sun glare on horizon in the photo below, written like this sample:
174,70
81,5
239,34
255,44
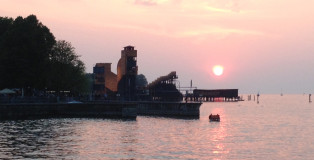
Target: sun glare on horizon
218,70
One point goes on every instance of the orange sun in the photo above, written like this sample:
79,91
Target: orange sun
218,70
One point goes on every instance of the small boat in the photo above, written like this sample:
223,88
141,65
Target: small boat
214,117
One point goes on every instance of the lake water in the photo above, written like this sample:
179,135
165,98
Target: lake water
279,127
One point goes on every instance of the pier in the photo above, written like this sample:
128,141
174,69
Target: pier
218,95
123,110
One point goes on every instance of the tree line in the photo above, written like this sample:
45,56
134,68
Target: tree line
31,58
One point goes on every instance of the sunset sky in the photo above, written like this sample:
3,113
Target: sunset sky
264,45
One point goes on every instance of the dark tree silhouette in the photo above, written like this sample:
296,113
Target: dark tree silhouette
31,58
25,44
67,70
141,80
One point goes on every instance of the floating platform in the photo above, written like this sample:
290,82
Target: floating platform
181,109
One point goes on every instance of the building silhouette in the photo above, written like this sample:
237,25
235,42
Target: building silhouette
121,85
127,72
164,88
105,81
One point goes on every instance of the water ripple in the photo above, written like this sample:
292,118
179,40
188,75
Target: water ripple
273,129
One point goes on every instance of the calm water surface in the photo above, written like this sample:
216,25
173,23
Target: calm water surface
279,127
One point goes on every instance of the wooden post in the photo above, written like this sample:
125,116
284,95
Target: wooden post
310,98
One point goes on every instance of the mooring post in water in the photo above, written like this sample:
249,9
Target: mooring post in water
310,98
257,97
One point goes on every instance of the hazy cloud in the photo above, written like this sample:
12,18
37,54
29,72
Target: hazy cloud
226,6
219,32
155,2
213,9
145,2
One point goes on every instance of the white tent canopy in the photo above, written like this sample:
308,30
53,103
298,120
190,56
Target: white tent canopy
7,91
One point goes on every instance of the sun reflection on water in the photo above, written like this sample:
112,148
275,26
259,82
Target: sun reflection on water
219,133
243,133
